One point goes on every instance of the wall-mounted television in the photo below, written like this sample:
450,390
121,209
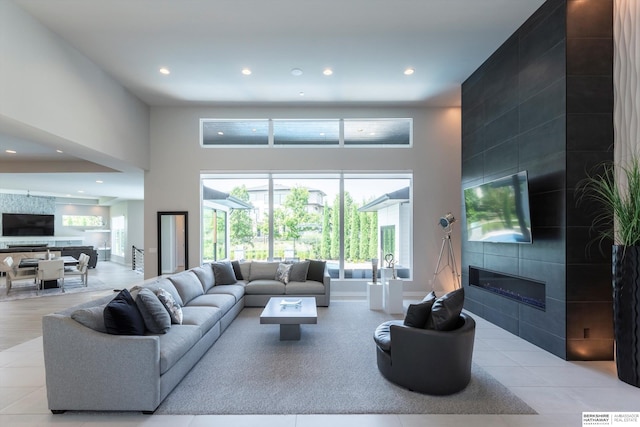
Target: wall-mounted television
498,211
27,224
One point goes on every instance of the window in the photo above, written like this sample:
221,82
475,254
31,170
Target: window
298,216
306,132
118,236
377,132
394,132
82,221
234,132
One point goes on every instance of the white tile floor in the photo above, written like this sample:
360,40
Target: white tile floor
558,390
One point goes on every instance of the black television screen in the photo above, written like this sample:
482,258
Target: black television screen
27,224
498,211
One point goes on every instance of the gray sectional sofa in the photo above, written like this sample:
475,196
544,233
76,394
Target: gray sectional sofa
91,367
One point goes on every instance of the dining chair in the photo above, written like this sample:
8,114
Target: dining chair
15,273
50,270
82,269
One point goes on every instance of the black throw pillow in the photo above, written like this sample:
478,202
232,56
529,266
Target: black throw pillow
236,270
122,317
316,270
446,310
418,314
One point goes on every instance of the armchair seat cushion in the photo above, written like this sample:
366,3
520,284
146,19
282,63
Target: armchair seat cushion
382,334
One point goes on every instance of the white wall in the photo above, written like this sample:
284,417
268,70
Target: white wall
133,212
49,90
173,181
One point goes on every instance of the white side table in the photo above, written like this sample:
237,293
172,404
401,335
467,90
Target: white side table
374,295
392,296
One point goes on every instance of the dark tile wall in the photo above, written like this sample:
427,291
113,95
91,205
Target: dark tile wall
543,102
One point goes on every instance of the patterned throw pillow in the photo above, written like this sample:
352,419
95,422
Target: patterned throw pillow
174,309
282,273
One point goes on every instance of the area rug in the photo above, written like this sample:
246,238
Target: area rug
27,289
331,370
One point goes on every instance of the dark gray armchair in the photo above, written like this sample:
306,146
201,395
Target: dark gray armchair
426,360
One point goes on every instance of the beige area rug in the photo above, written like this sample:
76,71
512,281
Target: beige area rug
331,370
27,289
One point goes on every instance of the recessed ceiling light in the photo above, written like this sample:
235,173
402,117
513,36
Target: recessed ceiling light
409,71
59,151
220,133
327,71
246,71
296,72
301,93
80,191
99,181
10,151
165,71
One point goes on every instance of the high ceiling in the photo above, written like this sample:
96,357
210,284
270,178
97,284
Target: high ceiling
205,44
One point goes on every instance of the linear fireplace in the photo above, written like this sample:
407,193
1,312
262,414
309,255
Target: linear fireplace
525,291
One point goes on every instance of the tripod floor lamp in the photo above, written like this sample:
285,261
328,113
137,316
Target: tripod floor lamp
446,222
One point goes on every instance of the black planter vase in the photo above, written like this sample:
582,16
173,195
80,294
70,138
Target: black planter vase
626,312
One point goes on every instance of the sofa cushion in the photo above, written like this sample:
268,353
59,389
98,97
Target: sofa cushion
223,273
264,287
167,285
283,272
245,269
122,317
382,334
316,270
176,343
309,287
174,309
263,270
156,317
204,318
299,271
91,317
446,310
205,275
237,290
222,301
188,285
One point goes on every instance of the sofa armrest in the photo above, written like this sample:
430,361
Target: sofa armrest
90,370
326,281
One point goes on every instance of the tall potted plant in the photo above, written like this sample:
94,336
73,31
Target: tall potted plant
616,190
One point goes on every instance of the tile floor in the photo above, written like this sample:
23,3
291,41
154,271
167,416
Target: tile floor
558,390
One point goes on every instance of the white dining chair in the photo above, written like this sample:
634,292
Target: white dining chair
14,273
82,269
50,270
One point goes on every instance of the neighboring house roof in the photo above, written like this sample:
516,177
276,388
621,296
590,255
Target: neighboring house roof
224,199
393,198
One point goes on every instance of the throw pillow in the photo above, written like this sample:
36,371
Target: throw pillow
299,271
418,314
431,296
236,270
91,317
283,272
446,310
223,273
316,270
174,309
155,315
122,317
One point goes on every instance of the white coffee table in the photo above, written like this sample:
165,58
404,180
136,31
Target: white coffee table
290,316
